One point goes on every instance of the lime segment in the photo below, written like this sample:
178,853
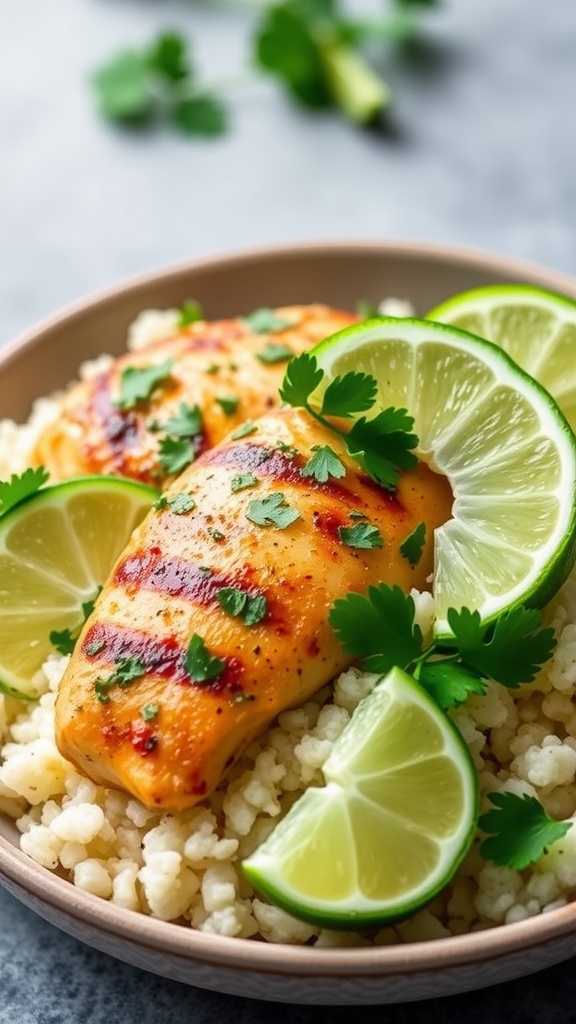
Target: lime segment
56,550
536,327
499,437
391,826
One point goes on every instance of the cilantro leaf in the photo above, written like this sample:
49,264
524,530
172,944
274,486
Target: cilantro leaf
63,640
20,486
125,672
520,830
325,463
175,454
138,382
361,535
449,683
201,665
149,712
202,114
273,510
378,627
187,422
349,394
123,87
383,445
511,651
243,480
189,313
244,430
412,546
179,504
169,57
302,377
272,353
251,608
267,321
228,404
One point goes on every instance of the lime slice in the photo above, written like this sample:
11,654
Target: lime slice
390,828
536,327
498,436
56,550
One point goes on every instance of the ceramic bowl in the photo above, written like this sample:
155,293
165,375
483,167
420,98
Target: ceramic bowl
45,359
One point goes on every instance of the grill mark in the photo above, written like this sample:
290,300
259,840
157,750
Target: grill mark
176,577
277,465
120,430
161,657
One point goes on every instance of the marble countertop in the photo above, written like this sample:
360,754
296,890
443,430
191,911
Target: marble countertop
480,151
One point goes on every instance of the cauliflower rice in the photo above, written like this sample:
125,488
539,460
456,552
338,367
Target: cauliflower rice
186,867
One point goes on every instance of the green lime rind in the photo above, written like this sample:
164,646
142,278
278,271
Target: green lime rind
397,817
499,437
537,327
57,547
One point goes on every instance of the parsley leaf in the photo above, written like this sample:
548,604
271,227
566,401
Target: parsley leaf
378,627
412,546
352,393
138,382
175,454
520,830
361,535
189,313
510,651
267,321
201,665
251,608
273,510
243,480
20,486
324,464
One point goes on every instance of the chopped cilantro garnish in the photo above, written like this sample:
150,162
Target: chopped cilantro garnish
95,647
361,535
266,321
20,486
519,829
126,670
189,313
179,504
187,422
272,353
241,697
149,712
137,383
228,404
251,608
244,430
201,665
273,510
380,629
64,640
243,480
175,454
216,534
324,464
382,445
412,546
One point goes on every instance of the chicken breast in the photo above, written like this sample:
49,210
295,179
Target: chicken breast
210,378
215,618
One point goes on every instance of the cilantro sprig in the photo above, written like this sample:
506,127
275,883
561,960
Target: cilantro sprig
380,628
382,445
519,830
21,486
64,640
125,672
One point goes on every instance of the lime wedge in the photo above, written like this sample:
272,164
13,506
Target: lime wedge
536,327
56,550
498,436
390,828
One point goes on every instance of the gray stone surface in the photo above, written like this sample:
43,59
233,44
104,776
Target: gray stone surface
481,152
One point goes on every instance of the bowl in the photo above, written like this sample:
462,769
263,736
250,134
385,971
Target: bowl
46,358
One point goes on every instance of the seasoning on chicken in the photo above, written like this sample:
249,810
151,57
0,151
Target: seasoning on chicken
215,618
157,408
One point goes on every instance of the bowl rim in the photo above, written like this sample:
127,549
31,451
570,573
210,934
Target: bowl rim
19,872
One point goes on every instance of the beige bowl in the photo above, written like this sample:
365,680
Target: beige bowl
46,358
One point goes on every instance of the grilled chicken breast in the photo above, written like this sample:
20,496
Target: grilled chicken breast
215,618
227,369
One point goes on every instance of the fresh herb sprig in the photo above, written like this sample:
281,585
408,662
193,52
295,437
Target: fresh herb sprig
21,486
314,49
519,830
383,445
64,640
380,628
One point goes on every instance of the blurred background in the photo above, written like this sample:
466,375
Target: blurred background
477,147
